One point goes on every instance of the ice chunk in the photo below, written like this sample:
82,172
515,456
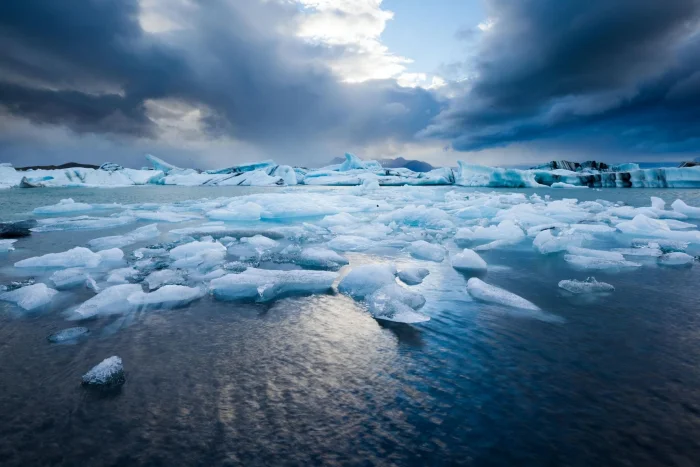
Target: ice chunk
413,276
645,226
418,216
533,231
162,216
75,257
350,243
6,245
260,243
69,334
690,211
364,280
63,206
111,300
264,285
591,262
496,244
664,245
168,296
342,218
82,223
395,303
468,260
566,185
122,275
611,255
157,279
547,243
113,255
237,212
67,278
484,292
198,254
141,234
321,258
658,203
506,230
108,373
424,250
30,297
590,285
676,259
644,251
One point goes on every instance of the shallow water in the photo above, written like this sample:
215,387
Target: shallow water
610,380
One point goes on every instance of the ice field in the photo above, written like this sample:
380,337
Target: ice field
417,304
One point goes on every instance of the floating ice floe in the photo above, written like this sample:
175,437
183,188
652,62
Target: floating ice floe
484,292
547,243
593,262
109,301
68,278
141,234
320,258
30,297
645,226
6,245
263,285
64,206
350,243
413,276
82,223
588,286
168,296
398,304
690,211
66,335
75,257
108,373
468,260
676,259
364,280
162,277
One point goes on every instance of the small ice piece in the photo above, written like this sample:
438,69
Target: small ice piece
667,246
63,206
424,250
611,255
67,278
260,243
321,258
69,334
568,186
342,218
484,292
6,245
690,211
118,241
398,304
30,297
591,262
590,285
109,372
157,279
469,260
506,230
364,280
413,276
75,257
192,249
350,243
92,285
533,231
168,296
674,259
111,300
547,243
263,285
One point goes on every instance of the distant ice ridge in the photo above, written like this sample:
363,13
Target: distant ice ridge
366,174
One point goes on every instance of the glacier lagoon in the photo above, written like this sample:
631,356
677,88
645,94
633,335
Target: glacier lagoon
229,363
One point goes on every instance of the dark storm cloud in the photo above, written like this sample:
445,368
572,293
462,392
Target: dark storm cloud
627,70
88,65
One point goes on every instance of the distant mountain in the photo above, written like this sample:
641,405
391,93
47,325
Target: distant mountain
398,163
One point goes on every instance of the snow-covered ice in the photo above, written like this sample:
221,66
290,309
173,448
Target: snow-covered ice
63,206
109,372
7,245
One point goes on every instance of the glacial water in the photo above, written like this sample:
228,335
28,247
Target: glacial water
314,380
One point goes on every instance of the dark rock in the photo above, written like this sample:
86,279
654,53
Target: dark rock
17,229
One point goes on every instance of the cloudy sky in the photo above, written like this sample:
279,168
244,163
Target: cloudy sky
210,83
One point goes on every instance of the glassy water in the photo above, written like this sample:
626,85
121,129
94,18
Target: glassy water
316,381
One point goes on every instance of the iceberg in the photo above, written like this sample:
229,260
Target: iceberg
67,335
364,280
588,286
484,292
424,250
469,260
263,285
30,297
413,276
108,373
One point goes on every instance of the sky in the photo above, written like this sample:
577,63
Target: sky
213,83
